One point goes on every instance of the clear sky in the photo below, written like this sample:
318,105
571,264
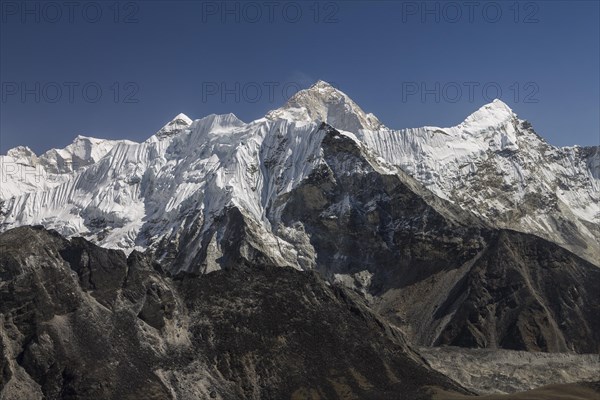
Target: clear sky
122,70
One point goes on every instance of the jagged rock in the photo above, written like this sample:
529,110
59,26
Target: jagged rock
524,293
245,333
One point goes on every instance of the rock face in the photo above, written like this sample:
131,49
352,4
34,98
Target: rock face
82,322
524,293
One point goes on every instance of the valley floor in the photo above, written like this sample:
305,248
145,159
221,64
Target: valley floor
551,392
496,371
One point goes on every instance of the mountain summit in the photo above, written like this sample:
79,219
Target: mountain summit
175,126
324,103
492,114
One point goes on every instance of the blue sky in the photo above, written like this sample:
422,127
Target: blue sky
122,71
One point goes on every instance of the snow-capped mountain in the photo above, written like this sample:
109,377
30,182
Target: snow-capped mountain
496,166
176,189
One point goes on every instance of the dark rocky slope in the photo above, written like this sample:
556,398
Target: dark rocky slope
525,293
81,322
436,270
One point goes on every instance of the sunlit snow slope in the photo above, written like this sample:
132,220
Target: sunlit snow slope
129,195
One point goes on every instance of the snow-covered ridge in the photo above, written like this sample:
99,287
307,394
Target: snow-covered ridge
130,195
495,165
21,170
138,193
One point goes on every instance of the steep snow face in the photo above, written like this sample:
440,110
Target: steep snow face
130,195
140,193
82,152
495,165
493,114
23,171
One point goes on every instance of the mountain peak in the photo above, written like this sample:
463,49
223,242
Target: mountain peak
181,117
498,104
89,138
175,126
324,103
22,154
321,85
492,114
321,82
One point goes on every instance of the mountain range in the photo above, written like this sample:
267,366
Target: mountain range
227,240
130,195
